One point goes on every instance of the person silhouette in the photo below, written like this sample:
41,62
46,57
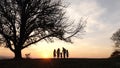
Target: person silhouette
58,52
61,54
64,52
54,53
67,53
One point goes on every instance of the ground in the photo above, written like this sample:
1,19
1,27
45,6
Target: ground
60,63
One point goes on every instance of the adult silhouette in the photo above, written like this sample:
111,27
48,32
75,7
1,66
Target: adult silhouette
64,52
54,53
67,53
58,52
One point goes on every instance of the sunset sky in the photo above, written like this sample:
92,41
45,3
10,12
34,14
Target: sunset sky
103,20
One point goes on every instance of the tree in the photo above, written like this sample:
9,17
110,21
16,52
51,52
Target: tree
115,54
116,39
26,22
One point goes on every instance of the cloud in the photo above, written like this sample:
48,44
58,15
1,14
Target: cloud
103,21
86,9
112,13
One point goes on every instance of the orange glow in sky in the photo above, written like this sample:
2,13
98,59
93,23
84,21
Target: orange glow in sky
77,50
103,20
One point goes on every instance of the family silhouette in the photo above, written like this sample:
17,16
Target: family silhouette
61,54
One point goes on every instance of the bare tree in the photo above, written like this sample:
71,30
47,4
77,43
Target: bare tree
26,22
116,38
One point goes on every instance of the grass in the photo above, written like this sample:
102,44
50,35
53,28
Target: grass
60,63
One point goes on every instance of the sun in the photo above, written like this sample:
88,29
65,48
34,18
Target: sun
45,55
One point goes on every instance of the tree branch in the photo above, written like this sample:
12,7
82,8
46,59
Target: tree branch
37,40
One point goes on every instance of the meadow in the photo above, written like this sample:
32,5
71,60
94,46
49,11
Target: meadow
60,63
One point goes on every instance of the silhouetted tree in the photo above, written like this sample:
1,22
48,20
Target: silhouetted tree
26,22
116,38
115,54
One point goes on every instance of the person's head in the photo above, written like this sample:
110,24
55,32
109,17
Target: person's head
58,48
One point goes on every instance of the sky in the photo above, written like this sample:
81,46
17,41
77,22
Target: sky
103,20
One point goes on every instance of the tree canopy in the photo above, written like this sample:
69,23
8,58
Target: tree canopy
25,22
116,38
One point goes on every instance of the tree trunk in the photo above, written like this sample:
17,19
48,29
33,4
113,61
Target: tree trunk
17,54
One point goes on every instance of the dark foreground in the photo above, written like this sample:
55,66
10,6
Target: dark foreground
60,63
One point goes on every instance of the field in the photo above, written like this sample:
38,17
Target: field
60,63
